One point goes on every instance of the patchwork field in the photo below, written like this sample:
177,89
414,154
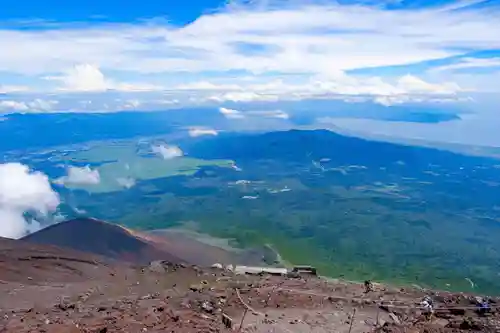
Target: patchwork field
121,165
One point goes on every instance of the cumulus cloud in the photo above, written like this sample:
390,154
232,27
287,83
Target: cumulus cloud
84,77
308,59
200,131
349,88
36,105
324,36
13,106
409,84
231,113
22,192
80,176
167,151
340,86
89,78
126,182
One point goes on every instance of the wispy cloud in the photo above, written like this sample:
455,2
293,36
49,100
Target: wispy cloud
256,39
469,63
323,37
12,89
237,114
201,131
231,113
269,114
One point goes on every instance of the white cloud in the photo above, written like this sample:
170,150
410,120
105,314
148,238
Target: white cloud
200,131
236,114
131,104
13,106
324,37
410,84
89,78
196,63
24,191
80,176
408,88
231,113
270,114
167,151
247,96
403,99
36,105
11,89
79,211
206,85
341,86
167,102
467,63
126,182
82,77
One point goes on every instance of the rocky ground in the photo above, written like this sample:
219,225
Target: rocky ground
174,298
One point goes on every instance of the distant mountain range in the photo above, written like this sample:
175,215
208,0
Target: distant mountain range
299,145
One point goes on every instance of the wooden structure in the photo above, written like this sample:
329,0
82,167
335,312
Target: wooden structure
310,270
227,321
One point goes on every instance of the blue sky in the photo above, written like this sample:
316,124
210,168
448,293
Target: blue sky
165,54
106,11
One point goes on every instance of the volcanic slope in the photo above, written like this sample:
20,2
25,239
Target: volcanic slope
190,299
104,239
46,288
29,263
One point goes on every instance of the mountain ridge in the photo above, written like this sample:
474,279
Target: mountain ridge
102,238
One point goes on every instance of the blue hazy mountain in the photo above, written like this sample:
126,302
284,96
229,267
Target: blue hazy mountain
29,131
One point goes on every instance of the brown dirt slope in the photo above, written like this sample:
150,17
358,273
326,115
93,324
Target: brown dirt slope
102,238
189,299
29,263
193,250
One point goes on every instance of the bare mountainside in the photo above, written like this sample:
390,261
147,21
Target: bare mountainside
190,299
116,242
105,239
29,263
51,289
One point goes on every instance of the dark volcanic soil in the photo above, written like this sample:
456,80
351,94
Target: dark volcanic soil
51,289
176,298
101,238
29,263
